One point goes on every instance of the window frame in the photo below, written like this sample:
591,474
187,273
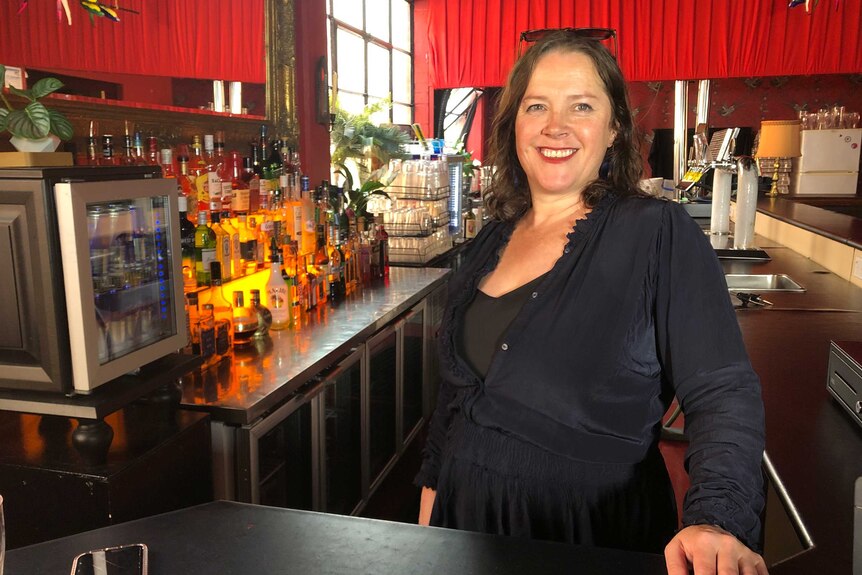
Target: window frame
334,24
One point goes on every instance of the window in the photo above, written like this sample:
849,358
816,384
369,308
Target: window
370,50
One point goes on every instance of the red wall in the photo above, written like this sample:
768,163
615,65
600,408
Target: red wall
310,29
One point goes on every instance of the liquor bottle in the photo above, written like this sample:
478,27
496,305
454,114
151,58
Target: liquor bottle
292,267
166,161
256,161
224,169
469,224
337,286
213,169
254,234
128,158
92,154
108,150
277,296
186,182
207,335
264,316
205,250
138,146
308,240
252,182
193,315
262,146
365,252
222,310
236,267
239,186
198,171
321,265
275,161
245,321
223,241
187,244
152,150
294,208
247,245
383,238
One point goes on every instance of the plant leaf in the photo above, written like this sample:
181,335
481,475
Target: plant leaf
23,93
2,76
60,126
45,86
33,122
3,114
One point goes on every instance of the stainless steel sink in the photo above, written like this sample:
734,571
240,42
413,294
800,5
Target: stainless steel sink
761,282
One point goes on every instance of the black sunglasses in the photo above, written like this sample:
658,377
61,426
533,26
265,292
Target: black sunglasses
600,34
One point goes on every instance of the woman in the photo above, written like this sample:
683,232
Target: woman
581,311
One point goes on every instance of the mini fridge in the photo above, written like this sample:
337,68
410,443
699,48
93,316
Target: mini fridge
829,164
91,286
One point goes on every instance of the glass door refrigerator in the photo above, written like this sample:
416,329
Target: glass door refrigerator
93,288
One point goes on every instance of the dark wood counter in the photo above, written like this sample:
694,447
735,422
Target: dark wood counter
235,538
814,444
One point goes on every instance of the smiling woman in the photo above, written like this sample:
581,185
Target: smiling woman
576,316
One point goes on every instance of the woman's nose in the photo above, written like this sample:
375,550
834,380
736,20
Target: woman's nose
557,125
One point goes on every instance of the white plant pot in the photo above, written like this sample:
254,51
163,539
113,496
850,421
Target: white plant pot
47,144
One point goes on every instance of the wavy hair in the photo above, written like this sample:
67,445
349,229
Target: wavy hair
508,196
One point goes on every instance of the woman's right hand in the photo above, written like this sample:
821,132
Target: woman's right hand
426,503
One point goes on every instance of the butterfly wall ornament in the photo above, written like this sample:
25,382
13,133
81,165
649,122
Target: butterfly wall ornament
809,4
94,9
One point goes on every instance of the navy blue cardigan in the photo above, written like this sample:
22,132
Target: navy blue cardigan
634,311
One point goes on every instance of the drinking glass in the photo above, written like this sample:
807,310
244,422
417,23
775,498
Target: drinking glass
824,119
851,120
838,116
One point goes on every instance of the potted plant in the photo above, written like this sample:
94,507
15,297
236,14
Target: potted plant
363,148
34,127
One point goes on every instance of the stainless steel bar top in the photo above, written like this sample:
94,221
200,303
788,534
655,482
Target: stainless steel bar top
244,387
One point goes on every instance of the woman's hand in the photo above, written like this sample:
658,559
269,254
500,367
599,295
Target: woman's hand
425,505
711,550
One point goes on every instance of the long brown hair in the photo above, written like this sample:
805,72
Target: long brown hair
509,195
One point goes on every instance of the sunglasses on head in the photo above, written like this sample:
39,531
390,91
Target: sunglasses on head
601,34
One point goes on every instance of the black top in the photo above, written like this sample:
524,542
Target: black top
485,323
634,312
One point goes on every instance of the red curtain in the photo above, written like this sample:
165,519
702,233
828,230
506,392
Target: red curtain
474,42
205,39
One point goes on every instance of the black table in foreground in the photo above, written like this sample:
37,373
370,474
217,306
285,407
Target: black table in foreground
237,538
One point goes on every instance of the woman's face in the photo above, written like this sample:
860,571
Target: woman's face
563,127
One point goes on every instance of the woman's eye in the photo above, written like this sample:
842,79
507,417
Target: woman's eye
583,107
535,107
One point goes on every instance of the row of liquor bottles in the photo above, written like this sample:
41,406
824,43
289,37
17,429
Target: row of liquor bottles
313,235
218,323
205,170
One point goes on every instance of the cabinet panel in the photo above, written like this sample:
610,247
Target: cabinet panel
413,330
341,402
285,467
382,385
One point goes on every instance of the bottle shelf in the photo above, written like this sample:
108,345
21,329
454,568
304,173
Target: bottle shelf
417,193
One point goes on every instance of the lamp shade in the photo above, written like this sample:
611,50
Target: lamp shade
779,139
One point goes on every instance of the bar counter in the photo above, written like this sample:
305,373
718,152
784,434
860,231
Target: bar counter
234,538
241,389
807,213
814,444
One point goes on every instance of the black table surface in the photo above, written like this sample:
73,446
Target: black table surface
238,538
